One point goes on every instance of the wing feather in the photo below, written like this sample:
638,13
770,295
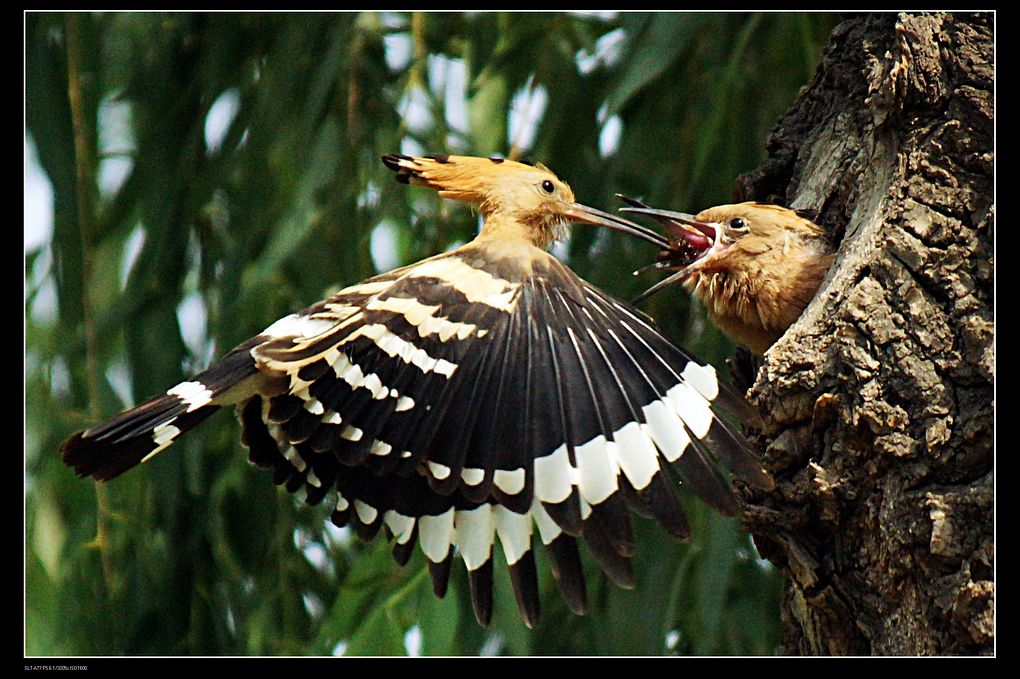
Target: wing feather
460,407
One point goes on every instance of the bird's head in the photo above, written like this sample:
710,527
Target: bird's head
516,200
744,237
754,266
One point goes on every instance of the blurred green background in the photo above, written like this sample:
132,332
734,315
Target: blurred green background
190,178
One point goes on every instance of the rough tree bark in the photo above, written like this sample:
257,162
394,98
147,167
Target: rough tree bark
879,401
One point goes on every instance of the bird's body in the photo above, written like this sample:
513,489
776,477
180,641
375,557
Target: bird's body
484,393
754,267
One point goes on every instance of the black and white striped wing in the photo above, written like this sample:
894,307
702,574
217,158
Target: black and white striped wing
464,401
470,399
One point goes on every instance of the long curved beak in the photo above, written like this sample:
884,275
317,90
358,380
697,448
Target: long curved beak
700,236
576,212
680,224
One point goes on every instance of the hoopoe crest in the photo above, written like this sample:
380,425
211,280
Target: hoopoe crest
483,396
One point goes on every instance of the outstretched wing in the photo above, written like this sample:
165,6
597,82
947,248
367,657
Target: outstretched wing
470,399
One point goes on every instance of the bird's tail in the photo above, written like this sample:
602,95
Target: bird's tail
110,448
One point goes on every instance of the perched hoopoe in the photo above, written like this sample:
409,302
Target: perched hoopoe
477,394
754,266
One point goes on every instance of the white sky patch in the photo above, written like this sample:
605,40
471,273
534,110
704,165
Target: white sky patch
454,245
526,110
116,145
449,76
115,126
605,15
752,553
193,314
44,306
336,535
38,200
119,377
313,605
219,118
302,538
383,246
607,51
38,274
113,172
601,244
409,147
132,248
60,377
397,50
412,641
423,206
41,283
492,646
414,109
193,318
369,198
231,623
609,136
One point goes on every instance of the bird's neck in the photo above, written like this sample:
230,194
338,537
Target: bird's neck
500,226
755,300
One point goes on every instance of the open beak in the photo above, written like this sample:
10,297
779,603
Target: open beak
682,226
690,242
576,212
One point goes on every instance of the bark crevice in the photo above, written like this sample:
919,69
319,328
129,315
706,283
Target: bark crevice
878,401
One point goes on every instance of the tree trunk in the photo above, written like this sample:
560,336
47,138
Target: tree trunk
879,401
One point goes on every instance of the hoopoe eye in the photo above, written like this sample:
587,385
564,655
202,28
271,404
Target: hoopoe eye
547,186
738,224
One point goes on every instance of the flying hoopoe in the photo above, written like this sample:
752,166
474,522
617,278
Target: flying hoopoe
754,266
478,394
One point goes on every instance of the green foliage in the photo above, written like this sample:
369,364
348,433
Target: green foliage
196,552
